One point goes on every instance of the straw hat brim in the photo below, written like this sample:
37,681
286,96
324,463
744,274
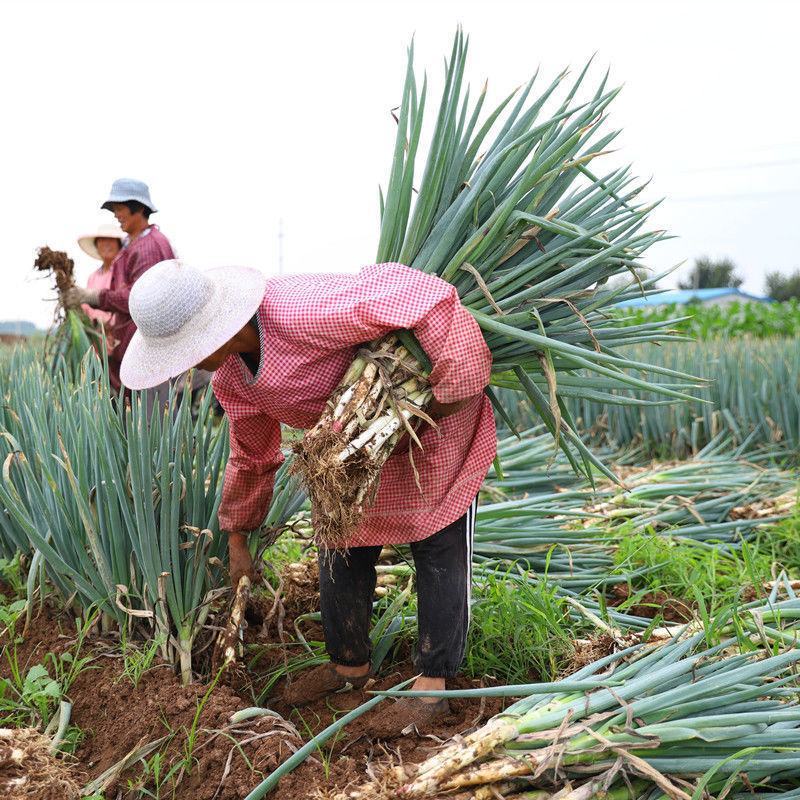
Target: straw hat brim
86,243
238,292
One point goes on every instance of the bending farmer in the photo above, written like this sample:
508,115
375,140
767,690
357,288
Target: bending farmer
279,348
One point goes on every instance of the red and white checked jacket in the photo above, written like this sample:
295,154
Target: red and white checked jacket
311,326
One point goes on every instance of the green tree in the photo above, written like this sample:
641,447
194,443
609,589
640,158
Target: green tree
783,287
710,274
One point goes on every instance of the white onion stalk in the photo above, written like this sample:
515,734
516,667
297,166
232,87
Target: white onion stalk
381,398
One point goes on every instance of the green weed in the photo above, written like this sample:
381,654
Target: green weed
712,577
12,575
137,659
29,701
520,630
30,698
782,543
159,775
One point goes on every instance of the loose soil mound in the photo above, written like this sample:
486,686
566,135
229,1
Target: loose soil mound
119,718
226,760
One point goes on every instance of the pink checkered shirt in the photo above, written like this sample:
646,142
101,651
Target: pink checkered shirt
311,326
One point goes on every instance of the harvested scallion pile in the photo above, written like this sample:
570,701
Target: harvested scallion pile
704,709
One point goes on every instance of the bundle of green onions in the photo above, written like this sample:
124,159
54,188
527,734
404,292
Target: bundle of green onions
509,212
715,710
565,530
716,499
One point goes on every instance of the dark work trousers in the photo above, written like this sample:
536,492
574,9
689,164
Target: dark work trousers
443,564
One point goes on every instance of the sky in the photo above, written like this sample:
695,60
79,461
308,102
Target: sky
252,118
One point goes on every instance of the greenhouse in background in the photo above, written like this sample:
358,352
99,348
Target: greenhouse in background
720,296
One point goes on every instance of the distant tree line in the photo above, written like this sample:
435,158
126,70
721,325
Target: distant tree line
708,273
783,287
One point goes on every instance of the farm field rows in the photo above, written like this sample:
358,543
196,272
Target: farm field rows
630,598
752,397
110,607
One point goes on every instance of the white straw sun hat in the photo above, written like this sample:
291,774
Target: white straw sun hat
183,314
105,230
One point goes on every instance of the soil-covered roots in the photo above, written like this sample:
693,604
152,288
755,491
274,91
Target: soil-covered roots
382,395
231,636
29,771
334,485
59,264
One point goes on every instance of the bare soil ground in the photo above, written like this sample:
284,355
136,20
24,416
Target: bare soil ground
227,760
224,760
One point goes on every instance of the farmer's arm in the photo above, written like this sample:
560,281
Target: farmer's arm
149,251
389,297
255,456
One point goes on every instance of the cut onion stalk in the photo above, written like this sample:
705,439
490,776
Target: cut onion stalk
382,397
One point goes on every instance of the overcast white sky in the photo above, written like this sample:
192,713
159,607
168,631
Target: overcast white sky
239,114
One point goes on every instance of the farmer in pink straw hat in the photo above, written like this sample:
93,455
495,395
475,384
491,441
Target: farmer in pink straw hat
279,348
103,244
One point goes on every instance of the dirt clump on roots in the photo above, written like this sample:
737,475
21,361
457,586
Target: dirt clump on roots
587,651
57,263
334,485
29,771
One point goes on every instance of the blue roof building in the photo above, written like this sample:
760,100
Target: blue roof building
682,297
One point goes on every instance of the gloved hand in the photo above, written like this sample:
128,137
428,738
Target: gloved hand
77,295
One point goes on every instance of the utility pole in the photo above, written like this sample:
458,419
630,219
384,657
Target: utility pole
280,246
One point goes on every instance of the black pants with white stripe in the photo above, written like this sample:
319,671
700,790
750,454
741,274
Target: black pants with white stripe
444,581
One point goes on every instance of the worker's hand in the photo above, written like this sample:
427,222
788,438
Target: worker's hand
78,295
239,561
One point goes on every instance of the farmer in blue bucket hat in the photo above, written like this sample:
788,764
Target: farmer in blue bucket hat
129,201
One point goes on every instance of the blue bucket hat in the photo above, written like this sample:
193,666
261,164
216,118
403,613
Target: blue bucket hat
124,189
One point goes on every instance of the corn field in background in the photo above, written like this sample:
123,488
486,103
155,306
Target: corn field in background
753,394
729,321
